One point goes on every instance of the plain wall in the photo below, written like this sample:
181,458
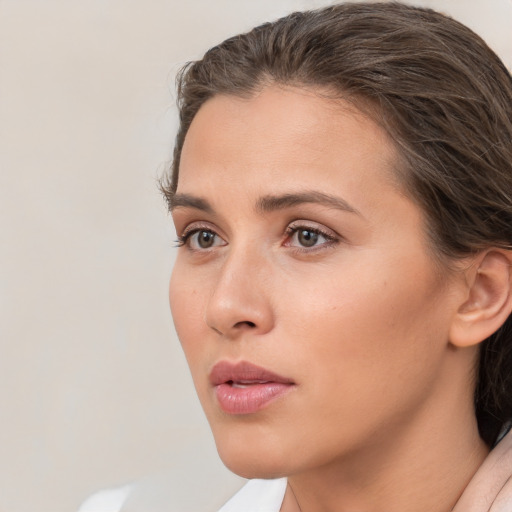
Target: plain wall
94,388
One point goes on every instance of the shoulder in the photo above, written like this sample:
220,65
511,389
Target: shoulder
491,487
258,496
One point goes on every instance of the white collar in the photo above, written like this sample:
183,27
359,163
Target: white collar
258,496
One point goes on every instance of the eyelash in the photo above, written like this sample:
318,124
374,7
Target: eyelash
185,237
290,231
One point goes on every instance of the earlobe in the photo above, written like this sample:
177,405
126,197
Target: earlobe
489,299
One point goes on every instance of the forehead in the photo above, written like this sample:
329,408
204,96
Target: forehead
283,134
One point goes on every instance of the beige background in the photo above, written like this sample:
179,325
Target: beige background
94,389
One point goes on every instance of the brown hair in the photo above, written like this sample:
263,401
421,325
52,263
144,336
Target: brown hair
442,95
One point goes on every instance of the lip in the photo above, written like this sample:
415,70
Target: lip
244,388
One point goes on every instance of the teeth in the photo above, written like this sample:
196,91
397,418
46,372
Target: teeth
242,384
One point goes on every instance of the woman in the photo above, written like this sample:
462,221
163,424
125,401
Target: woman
342,194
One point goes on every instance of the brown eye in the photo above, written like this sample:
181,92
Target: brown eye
205,239
202,239
307,238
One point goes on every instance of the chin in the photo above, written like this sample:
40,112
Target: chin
254,467
252,459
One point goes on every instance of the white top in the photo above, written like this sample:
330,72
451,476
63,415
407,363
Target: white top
254,496
109,500
258,496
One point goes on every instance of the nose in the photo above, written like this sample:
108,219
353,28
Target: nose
240,299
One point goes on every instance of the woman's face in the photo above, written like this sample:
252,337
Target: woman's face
312,315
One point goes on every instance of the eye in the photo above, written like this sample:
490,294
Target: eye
307,237
203,239
200,239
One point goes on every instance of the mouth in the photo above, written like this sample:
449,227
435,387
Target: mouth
244,388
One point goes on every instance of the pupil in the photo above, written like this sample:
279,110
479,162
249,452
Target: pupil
307,238
205,239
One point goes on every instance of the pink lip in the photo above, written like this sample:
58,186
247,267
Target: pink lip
244,388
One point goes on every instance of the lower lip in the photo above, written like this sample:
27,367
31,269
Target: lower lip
249,399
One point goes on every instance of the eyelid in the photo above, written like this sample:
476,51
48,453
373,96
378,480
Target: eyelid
313,226
193,225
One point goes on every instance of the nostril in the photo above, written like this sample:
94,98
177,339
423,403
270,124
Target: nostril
245,323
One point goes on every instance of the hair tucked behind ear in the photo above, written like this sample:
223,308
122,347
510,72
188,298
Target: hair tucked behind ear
443,96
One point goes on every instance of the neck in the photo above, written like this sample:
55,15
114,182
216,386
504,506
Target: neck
420,466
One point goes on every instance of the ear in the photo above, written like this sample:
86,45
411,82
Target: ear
488,301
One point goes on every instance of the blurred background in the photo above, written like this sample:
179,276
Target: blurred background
94,388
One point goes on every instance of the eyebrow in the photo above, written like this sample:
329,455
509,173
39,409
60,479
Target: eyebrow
272,203
268,203
189,201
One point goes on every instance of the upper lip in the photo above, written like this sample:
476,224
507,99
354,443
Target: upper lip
243,372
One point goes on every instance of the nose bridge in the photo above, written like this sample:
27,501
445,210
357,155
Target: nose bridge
240,298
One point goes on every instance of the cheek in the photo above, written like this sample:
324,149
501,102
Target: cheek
185,303
365,359
370,329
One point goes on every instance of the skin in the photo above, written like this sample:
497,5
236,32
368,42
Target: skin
380,413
